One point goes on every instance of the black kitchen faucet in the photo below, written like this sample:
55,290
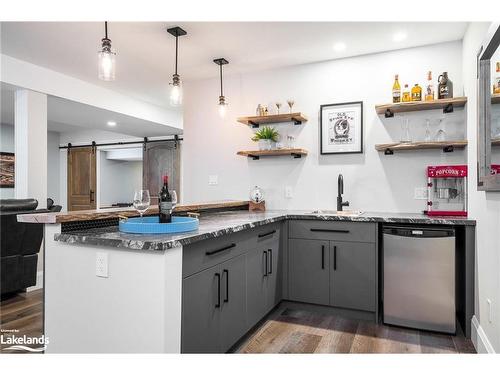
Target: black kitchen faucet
340,203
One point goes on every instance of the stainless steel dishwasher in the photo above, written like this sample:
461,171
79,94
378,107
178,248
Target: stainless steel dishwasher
419,278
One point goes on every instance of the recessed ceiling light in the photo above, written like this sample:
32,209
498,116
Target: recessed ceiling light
339,46
111,123
399,36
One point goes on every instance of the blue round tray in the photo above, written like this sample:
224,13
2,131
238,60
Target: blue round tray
151,224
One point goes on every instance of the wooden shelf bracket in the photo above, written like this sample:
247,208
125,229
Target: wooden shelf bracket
448,108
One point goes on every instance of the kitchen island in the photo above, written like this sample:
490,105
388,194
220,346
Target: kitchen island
202,291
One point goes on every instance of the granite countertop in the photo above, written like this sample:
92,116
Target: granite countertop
214,225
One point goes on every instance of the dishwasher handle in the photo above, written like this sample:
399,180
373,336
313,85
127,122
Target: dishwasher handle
419,232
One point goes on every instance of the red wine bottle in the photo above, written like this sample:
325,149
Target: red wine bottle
165,203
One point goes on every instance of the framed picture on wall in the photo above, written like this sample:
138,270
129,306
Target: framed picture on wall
6,169
341,128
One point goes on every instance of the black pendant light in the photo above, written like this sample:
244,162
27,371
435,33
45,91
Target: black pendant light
176,90
107,58
222,99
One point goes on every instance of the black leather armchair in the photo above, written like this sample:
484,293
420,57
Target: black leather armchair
19,245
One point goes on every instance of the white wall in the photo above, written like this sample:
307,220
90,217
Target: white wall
53,168
118,180
484,207
7,144
373,182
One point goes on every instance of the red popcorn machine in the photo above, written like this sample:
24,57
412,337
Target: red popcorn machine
447,190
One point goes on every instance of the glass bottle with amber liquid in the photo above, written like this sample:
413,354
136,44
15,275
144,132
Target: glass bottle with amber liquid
396,90
416,93
406,94
429,88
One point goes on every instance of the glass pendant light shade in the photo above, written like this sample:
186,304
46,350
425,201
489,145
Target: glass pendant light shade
222,106
106,58
176,91
107,65
222,99
176,85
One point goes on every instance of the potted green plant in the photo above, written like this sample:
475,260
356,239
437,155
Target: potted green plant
266,136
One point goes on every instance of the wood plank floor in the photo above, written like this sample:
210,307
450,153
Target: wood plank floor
296,331
284,331
20,315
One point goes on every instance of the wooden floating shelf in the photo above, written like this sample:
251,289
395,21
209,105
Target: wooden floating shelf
297,153
446,104
495,141
254,121
495,99
447,146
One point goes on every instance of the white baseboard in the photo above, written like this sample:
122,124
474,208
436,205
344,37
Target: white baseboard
39,282
479,338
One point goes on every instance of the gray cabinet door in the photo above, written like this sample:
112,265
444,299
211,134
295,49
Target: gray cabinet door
274,276
309,274
256,285
233,321
200,314
353,275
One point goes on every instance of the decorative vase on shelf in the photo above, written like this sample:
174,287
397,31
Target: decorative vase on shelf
265,144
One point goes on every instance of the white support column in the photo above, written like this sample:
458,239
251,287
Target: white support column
31,146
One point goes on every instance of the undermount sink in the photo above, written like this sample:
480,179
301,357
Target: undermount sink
337,213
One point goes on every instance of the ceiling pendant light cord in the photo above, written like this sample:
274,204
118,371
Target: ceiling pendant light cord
105,29
176,52
220,68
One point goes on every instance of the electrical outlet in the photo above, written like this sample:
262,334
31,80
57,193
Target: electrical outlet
420,193
213,179
288,192
101,264
490,318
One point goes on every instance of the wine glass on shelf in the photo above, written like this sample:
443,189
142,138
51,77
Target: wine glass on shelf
278,105
141,201
290,102
173,195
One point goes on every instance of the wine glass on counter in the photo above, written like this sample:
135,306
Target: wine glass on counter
142,201
173,194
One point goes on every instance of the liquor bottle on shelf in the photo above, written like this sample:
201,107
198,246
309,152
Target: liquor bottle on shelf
396,90
416,93
406,94
445,87
496,85
429,88
165,202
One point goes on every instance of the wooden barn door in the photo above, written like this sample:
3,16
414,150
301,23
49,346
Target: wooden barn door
81,178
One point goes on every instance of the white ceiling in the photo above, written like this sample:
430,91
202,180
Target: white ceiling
145,51
68,116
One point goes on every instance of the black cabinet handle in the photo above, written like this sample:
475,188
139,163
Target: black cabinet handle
265,255
266,234
219,250
270,261
329,230
335,257
227,285
323,257
217,275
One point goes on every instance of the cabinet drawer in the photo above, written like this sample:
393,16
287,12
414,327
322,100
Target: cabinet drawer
333,230
261,237
208,253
